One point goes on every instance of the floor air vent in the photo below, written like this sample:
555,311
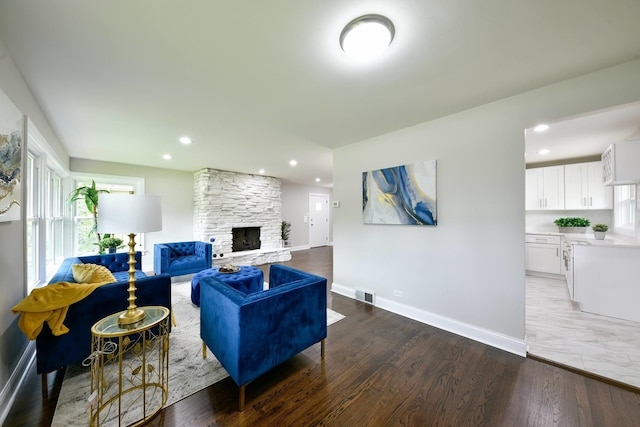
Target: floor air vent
365,296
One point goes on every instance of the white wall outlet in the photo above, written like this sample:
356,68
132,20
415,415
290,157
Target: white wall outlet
397,293
335,204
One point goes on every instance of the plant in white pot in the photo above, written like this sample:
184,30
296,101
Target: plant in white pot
572,225
600,230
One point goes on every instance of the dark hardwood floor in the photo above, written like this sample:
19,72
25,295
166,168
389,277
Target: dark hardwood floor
382,369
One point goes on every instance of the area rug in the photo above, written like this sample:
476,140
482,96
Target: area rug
189,372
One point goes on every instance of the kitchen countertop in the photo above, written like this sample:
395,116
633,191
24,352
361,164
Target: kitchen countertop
611,239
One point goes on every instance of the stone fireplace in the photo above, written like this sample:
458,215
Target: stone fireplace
224,201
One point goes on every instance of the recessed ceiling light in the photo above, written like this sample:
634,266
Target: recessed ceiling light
185,140
317,179
544,151
367,37
541,128
261,171
293,162
166,156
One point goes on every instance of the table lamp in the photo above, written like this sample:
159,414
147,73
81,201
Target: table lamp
129,214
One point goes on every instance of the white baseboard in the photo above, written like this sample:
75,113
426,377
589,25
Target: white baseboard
299,248
10,390
485,336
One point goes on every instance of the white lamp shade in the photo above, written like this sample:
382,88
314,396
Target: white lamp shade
129,213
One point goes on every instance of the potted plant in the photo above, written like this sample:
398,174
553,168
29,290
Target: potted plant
285,230
600,230
572,225
90,197
109,243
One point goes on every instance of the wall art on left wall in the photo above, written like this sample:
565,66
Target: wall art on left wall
11,142
400,195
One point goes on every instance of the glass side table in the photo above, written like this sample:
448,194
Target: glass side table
129,368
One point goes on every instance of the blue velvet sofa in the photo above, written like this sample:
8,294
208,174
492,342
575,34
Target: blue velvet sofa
252,333
179,258
55,352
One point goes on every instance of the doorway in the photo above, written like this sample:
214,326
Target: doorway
318,220
556,329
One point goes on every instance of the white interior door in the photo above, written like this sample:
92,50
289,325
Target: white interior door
318,220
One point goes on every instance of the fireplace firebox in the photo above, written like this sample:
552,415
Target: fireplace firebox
245,238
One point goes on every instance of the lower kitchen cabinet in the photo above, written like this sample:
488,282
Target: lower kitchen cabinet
543,254
606,280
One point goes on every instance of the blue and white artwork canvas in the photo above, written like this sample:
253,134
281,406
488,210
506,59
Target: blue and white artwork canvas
10,159
400,195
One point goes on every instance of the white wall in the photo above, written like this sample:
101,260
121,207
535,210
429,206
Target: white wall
295,206
467,273
12,257
174,187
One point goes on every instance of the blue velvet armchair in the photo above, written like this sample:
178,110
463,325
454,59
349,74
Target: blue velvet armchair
179,258
251,334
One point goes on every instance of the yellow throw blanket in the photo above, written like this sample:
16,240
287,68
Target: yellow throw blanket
50,304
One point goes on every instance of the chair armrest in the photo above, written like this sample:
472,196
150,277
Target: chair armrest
204,250
220,322
160,258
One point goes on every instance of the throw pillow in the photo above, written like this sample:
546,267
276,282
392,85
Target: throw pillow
91,273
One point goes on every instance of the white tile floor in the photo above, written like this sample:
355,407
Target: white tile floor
557,330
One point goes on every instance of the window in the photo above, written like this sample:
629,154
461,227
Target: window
45,234
624,209
54,218
85,239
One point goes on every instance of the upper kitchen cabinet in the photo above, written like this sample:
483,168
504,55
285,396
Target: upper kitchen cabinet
545,188
620,163
584,189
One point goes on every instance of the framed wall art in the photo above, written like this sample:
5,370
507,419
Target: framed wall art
11,142
400,195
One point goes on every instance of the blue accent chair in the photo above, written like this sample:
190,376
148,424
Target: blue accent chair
179,258
55,352
253,333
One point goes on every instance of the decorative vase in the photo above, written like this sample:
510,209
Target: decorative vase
599,235
112,250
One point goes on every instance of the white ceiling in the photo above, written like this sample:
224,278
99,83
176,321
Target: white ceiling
585,135
256,84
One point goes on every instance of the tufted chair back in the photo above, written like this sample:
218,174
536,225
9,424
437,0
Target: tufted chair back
114,262
181,249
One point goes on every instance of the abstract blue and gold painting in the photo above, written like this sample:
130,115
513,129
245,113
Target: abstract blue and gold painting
400,195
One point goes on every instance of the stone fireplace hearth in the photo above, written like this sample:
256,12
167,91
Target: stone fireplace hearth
226,200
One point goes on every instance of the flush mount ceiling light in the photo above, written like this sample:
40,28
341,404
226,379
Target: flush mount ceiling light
544,151
185,140
366,37
293,162
541,128
166,156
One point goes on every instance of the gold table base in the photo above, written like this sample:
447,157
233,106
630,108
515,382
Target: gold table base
129,368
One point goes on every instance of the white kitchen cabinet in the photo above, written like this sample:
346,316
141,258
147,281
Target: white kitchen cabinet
543,254
544,188
620,163
584,189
